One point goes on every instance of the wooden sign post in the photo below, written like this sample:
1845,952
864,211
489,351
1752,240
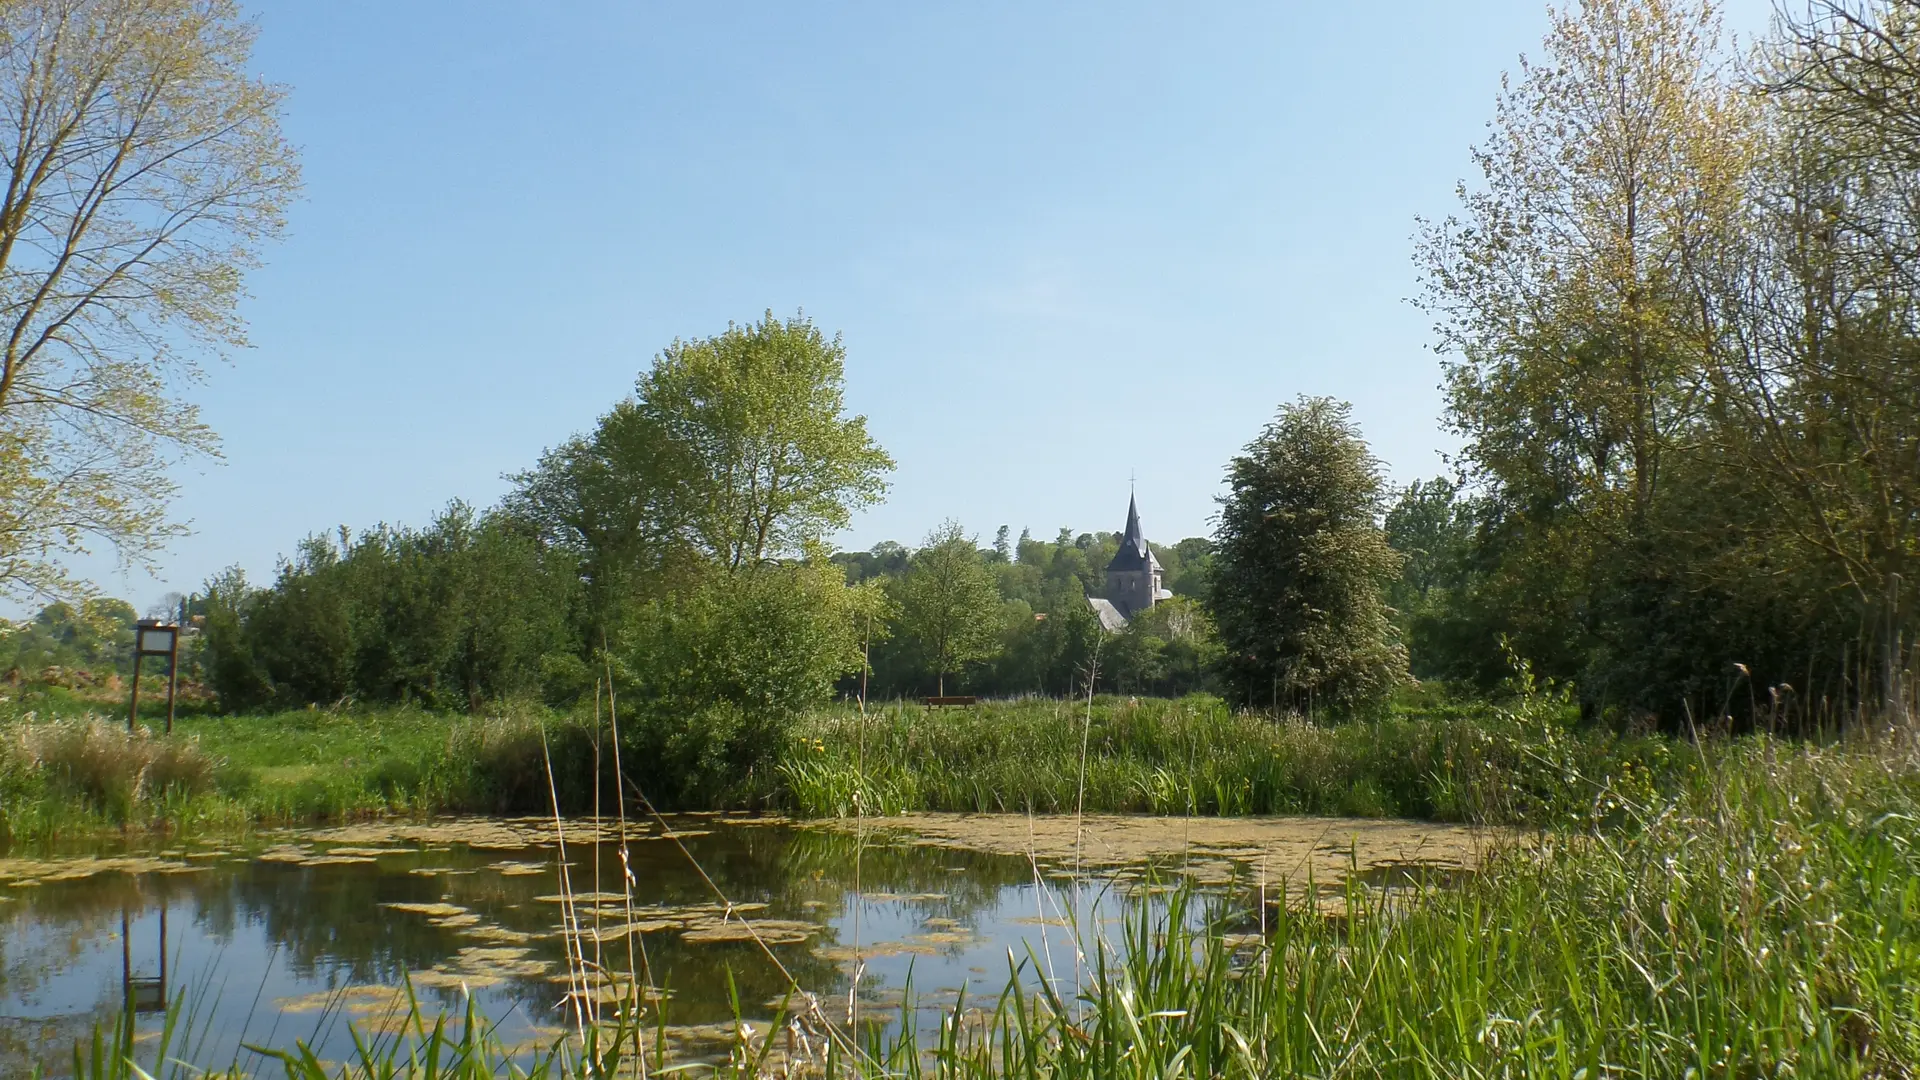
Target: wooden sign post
151,637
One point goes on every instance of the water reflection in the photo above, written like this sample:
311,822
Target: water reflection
296,934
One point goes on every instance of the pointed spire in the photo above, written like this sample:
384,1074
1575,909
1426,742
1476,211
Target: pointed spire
1134,554
1133,537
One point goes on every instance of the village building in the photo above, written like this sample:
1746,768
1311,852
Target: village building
1133,577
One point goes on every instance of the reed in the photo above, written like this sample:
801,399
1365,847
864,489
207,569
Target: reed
1516,763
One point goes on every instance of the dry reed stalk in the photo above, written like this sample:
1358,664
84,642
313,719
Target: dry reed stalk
627,880
577,972
597,959
1079,821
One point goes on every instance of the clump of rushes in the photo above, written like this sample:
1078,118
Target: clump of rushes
112,770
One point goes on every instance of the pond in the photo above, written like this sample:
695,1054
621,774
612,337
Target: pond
297,934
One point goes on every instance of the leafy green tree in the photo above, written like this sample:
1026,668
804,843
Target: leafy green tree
1187,564
949,605
735,450
886,559
233,670
1170,649
95,636
1433,527
1571,301
1301,566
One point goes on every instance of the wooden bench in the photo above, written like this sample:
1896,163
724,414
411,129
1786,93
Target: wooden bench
934,702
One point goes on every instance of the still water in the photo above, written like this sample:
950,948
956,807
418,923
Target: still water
298,934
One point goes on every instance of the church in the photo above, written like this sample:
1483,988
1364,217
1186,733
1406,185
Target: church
1133,578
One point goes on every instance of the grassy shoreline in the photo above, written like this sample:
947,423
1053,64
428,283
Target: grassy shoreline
1514,764
1759,920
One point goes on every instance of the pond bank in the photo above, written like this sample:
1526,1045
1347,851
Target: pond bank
1193,757
1759,921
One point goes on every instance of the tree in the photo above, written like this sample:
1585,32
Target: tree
721,669
1300,566
1435,531
1575,296
144,168
464,611
1813,396
949,605
735,450
1168,649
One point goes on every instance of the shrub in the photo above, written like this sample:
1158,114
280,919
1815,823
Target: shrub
721,672
114,770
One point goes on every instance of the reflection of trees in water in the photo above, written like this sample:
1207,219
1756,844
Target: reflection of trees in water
328,920
331,927
824,858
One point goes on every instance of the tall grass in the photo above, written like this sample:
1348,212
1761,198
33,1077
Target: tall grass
100,770
1763,923
87,774
1518,762
1507,764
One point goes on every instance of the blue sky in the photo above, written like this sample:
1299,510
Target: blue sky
1065,242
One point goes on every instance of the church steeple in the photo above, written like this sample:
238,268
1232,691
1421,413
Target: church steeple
1134,554
1133,577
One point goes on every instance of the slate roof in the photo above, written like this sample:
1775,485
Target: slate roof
1110,618
1134,553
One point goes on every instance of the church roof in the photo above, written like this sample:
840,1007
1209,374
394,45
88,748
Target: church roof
1110,618
1134,553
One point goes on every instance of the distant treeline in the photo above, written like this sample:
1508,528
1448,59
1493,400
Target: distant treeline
65,642
1039,636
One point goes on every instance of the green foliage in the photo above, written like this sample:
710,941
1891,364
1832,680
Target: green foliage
145,170
1681,335
715,675
1714,936
1519,762
96,636
1169,650
1301,565
1043,632
734,450
948,604
461,612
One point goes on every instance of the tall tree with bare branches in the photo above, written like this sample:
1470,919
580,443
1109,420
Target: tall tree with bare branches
144,169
